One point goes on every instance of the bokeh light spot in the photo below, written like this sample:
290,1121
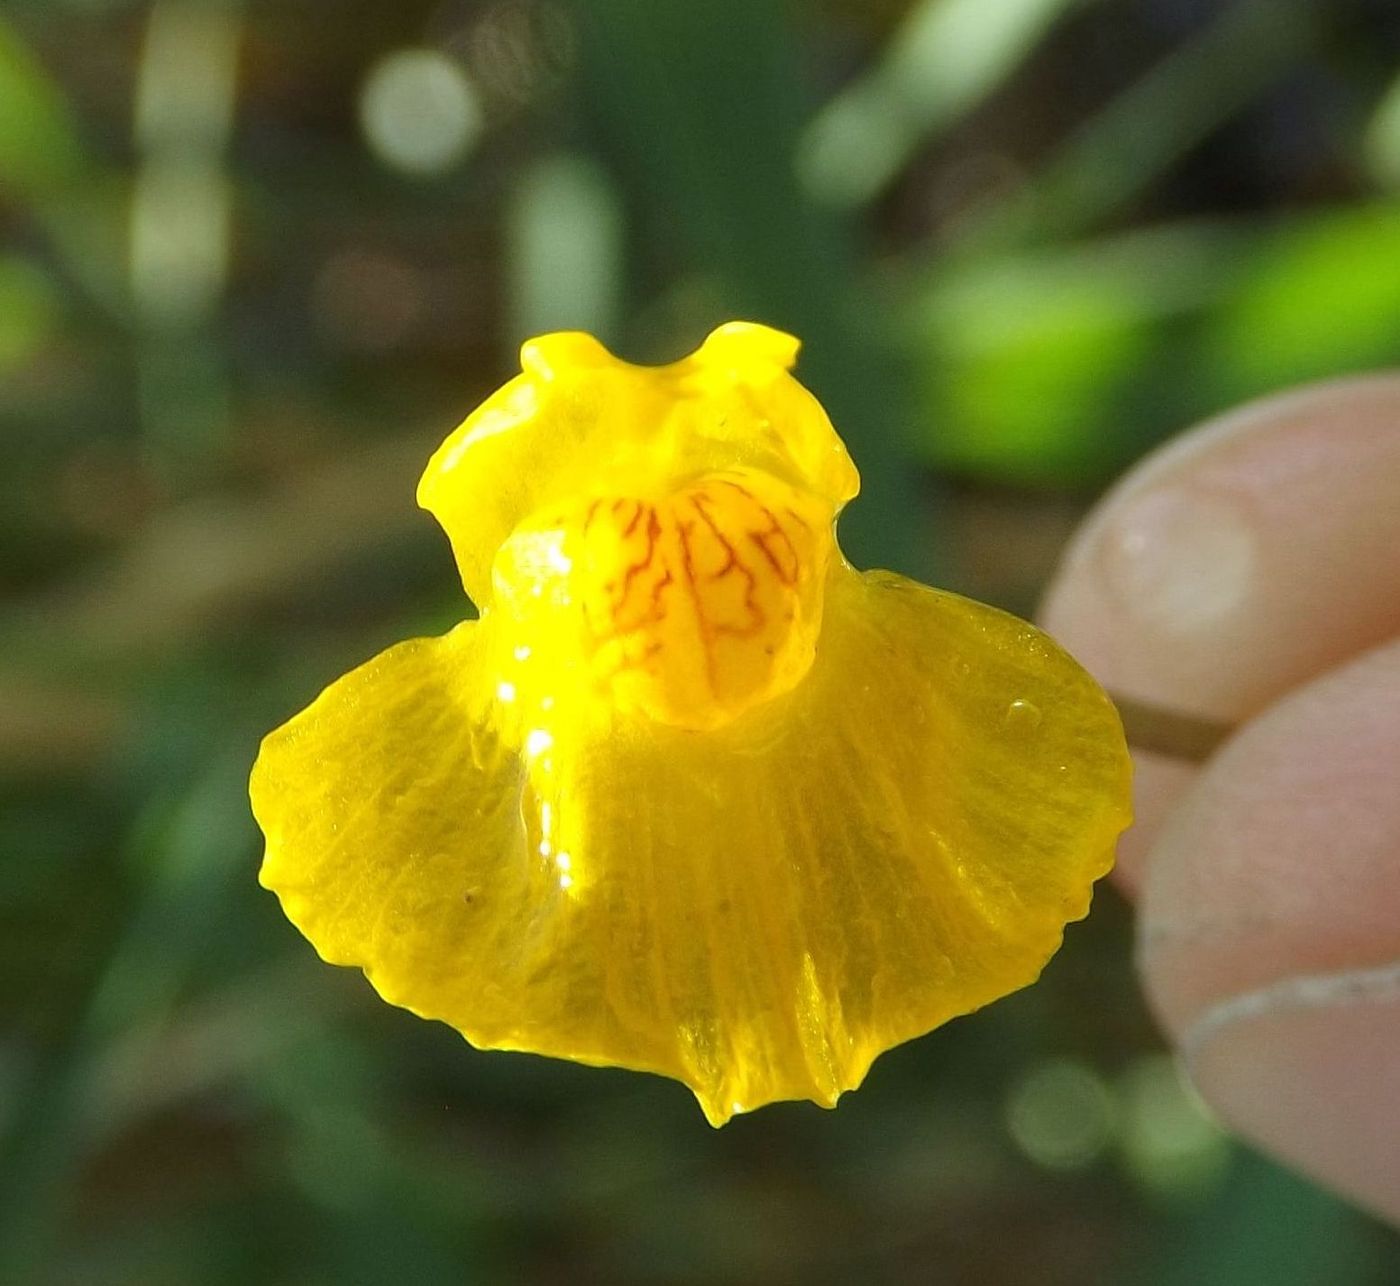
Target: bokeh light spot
420,112
1061,1115
1170,1141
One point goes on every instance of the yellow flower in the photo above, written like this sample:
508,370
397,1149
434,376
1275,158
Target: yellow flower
693,795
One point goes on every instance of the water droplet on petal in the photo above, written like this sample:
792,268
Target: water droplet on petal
1021,717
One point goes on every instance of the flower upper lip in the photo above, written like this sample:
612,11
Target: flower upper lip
579,419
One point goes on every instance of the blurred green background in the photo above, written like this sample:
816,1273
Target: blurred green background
259,257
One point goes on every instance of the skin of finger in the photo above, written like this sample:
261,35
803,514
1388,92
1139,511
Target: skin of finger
1247,556
1270,940
1313,1087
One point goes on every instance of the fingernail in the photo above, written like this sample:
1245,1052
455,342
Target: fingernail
1309,1069
1180,558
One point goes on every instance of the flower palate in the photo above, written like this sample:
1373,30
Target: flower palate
693,795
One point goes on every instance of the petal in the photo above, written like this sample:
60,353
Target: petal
403,837
388,807
898,841
578,422
759,910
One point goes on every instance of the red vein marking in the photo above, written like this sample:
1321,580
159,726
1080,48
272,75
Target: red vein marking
633,570
732,562
797,518
774,529
757,616
655,611
774,542
702,622
658,613
731,557
760,538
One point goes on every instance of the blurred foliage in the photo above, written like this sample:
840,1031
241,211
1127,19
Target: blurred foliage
241,297
39,147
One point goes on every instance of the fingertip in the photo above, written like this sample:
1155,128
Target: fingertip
1270,939
1250,554
1310,1075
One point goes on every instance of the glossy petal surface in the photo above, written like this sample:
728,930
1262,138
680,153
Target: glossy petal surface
693,796
758,913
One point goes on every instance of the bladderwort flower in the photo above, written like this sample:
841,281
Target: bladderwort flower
692,795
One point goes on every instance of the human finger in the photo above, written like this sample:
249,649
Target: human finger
1247,556
1270,929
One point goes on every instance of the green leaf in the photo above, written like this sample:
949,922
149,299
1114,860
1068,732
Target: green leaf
1320,297
1026,357
40,151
